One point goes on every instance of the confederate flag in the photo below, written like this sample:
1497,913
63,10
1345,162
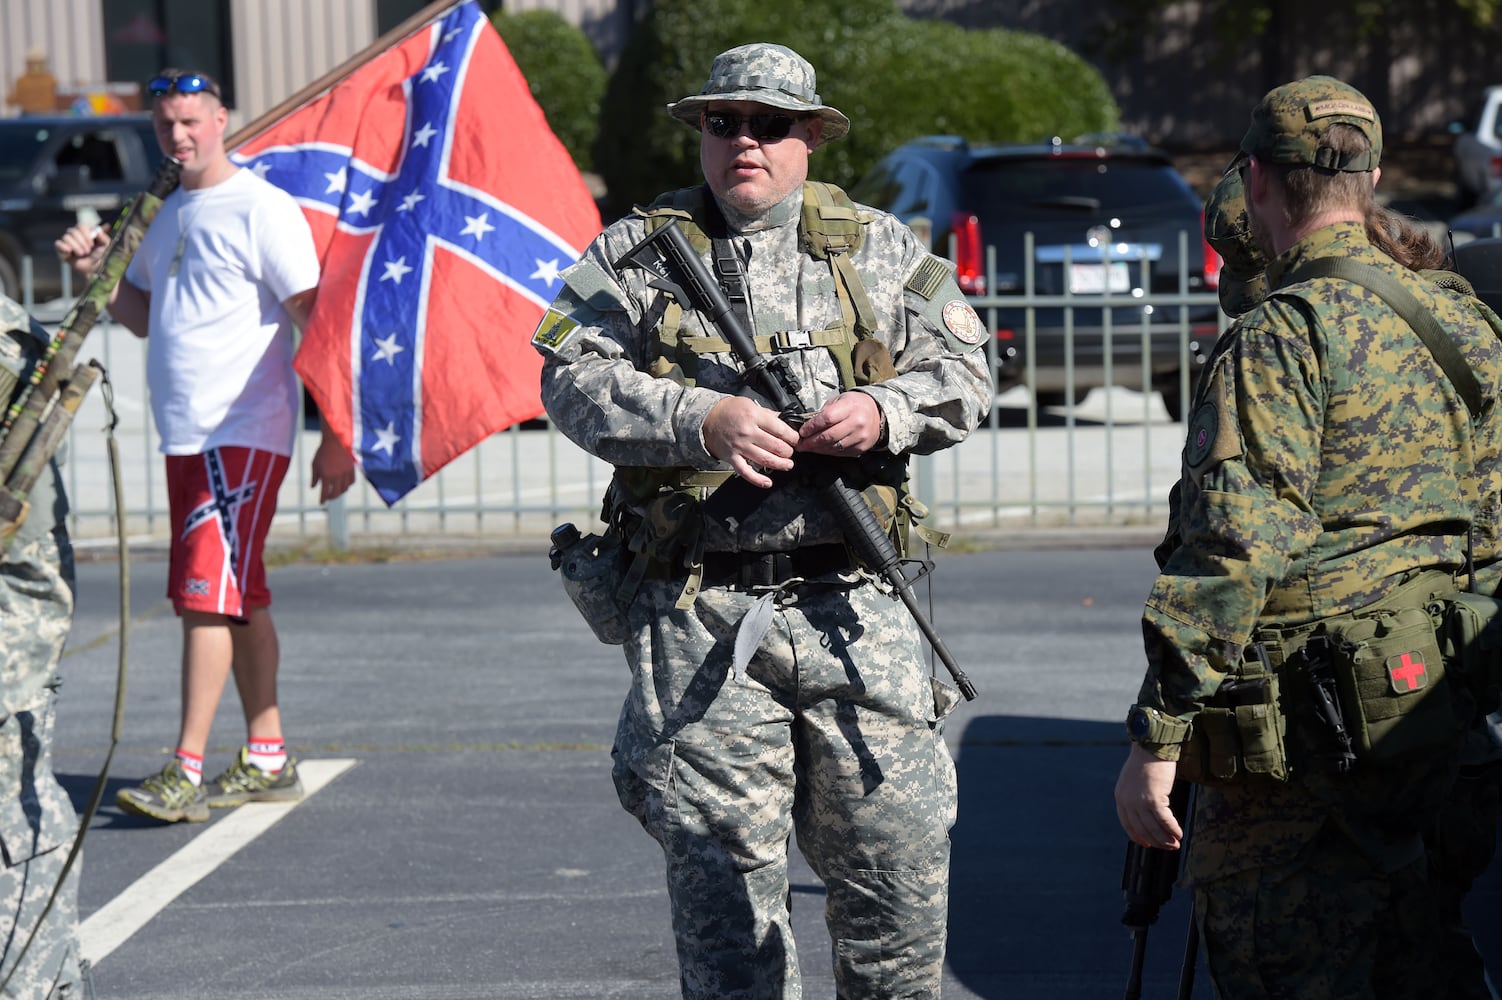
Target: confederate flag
443,208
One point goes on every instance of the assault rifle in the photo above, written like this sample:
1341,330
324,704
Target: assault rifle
34,424
1147,883
678,270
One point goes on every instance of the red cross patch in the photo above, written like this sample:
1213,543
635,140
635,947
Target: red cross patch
1406,672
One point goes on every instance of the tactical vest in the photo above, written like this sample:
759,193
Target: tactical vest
1400,675
657,509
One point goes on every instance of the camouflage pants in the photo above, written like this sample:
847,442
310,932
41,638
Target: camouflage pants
833,732
37,824
37,821
1327,926
1460,843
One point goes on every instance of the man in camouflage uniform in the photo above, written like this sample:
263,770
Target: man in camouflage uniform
814,714
37,821
1330,465
1460,839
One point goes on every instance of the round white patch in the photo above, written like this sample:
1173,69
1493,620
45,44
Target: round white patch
962,321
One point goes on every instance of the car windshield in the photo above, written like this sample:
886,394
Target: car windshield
20,142
1021,191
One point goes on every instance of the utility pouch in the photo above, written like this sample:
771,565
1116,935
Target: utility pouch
594,571
1470,637
1239,736
1393,687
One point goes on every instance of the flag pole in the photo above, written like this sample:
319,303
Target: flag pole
408,27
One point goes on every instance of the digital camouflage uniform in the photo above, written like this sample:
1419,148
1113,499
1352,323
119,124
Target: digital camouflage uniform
1460,837
37,821
1328,460
833,731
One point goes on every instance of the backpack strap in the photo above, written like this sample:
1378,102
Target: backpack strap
1392,291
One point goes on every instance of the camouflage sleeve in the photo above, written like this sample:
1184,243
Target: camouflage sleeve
943,387
594,342
1251,464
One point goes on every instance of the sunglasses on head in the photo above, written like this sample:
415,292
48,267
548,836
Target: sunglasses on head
183,83
764,127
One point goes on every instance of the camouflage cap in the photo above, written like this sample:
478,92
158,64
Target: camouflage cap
1243,275
1287,123
768,74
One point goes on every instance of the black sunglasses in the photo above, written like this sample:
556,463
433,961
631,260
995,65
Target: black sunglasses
764,128
183,83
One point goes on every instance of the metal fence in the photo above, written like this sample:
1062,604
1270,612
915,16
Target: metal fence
1109,457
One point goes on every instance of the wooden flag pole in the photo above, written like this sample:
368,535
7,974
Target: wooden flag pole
398,34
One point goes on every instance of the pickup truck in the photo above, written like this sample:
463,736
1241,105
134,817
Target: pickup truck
56,171
1478,147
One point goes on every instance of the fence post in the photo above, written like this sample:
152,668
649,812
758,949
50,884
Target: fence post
338,524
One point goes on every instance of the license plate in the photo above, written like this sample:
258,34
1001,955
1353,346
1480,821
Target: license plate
1096,279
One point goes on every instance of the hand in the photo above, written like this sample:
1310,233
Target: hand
333,467
1142,800
82,247
750,437
849,424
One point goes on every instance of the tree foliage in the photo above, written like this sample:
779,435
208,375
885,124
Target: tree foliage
895,77
1236,21
563,71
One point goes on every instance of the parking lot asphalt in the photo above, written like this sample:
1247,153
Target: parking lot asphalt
467,844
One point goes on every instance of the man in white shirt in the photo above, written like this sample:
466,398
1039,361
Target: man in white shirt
224,272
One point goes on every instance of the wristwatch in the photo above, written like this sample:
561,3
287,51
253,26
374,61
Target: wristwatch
1151,727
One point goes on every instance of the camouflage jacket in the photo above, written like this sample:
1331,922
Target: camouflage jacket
1327,455
596,389
36,598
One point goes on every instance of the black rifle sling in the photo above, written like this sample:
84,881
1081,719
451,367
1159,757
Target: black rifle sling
1402,302
728,269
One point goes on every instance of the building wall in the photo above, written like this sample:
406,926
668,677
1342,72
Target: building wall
69,32
281,46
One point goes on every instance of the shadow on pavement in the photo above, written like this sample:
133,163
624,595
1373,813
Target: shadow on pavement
1036,902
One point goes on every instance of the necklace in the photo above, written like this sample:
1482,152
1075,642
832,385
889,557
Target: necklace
182,230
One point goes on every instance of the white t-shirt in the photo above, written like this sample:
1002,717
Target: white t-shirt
218,262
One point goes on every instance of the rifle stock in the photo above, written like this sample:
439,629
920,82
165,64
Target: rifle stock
667,254
30,433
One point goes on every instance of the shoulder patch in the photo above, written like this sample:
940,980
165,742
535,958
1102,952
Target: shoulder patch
960,319
928,277
554,330
1203,425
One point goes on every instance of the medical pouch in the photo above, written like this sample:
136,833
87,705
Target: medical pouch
1393,687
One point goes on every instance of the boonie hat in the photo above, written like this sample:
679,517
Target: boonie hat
1243,275
1286,125
768,74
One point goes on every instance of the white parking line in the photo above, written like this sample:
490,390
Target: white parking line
114,922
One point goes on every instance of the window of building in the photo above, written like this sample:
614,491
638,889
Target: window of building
143,36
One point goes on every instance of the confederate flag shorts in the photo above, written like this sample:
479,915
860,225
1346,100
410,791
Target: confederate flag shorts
221,504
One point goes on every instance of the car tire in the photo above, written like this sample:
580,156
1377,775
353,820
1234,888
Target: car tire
1173,401
1056,398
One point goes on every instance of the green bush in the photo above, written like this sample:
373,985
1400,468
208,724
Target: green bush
564,72
895,77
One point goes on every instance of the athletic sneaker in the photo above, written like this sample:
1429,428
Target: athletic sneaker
243,782
167,795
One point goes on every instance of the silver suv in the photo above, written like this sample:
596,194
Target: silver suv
1478,147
